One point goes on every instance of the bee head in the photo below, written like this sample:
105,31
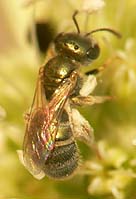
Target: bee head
77,47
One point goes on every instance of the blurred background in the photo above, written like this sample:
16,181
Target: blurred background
27,27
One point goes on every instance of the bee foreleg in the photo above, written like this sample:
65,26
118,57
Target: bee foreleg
107,63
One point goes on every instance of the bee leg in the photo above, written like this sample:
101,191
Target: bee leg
83,131
90,100
93,72
84,97
105,65
82,128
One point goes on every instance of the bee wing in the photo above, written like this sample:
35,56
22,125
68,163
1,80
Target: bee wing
42,125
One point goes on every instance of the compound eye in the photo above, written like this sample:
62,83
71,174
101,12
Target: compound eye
93,52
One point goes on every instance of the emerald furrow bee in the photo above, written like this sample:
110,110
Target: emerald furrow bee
54,124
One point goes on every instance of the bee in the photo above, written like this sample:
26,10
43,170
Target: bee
54,124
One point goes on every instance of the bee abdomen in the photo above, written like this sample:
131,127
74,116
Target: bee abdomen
63,161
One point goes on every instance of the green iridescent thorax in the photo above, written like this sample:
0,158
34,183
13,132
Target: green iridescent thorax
56,70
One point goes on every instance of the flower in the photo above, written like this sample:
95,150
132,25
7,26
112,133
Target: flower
92,6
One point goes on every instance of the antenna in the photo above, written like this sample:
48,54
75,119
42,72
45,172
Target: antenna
114,32
75,21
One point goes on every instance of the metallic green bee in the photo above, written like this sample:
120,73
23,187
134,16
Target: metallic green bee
54,124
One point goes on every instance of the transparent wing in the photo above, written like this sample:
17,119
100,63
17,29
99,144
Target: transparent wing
43,123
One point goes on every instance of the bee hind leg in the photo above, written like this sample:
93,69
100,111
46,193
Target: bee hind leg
83,131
